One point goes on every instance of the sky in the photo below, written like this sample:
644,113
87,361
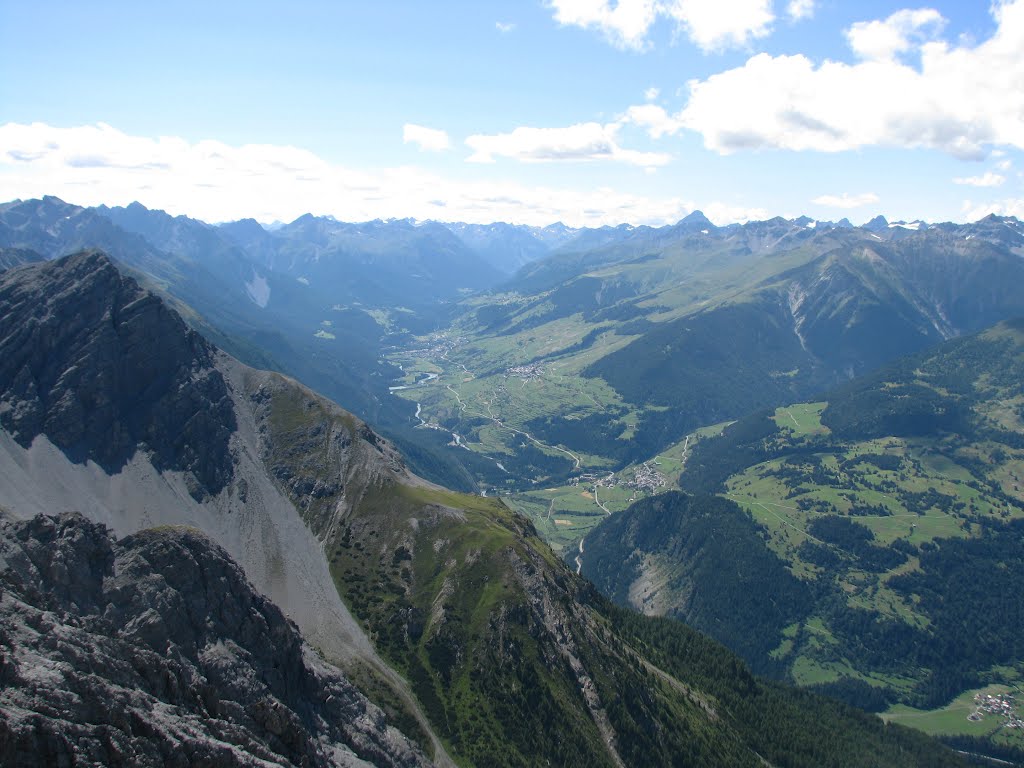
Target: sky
588,112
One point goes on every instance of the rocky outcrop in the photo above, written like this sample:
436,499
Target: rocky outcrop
104,369
155,650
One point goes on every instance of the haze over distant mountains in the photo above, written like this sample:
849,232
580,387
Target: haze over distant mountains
335,304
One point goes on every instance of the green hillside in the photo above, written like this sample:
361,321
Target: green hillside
516,660
877,535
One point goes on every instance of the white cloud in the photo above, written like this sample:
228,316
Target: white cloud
961,100
883,40
800,9
1008,207
625,25
428,139
652,118
504,26
583,141
988,179
718,24
711,24
213,181
846,200
652,93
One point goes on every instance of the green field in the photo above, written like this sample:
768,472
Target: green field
786,494
564,514
953,719
802,418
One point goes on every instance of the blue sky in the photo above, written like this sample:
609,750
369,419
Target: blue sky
585,111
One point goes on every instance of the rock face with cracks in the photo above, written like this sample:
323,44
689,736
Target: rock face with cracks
155,650
103,368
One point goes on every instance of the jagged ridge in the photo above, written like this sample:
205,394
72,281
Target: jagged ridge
154,650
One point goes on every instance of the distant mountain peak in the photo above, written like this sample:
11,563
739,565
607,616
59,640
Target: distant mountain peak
696,218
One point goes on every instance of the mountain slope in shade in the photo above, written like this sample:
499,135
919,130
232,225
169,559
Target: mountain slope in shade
700,560
14,257
155,650
120,390
384,264
508,247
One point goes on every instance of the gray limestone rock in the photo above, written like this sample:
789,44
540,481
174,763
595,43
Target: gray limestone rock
155,651
104,368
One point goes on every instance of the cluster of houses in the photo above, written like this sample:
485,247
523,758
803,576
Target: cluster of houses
647,478
529,371
1000,704
593,478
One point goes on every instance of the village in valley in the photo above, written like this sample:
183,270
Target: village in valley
999,704
645,479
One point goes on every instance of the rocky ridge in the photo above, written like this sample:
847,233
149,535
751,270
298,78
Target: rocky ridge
104,368
155,650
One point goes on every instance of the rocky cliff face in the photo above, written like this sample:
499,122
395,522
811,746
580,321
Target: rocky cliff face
155,650
104,368
112,407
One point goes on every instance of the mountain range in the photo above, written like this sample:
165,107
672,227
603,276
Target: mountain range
446,610
621,311
579,373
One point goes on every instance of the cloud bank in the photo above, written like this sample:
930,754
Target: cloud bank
214,181
581,142
907,89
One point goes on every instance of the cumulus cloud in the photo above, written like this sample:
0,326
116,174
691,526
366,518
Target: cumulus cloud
800,9
883,40
846,200
504,26
625,25
580,142
988,179
652,93
652,118
712,25
959,99
428,139
214,181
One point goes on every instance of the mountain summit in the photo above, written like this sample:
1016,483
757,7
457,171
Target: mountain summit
82,366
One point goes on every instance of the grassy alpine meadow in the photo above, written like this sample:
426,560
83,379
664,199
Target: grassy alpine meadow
995,712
